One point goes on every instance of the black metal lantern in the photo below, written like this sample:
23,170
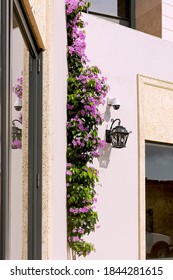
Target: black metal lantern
16,131
117,135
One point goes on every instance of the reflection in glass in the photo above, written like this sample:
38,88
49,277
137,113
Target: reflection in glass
19,140
159,200
111,7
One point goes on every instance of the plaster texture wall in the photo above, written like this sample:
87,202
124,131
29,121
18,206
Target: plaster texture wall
50,19
122,53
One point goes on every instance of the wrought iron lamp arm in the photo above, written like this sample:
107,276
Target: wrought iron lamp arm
113,121
16,121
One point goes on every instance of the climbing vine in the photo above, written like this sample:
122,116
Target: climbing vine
87,89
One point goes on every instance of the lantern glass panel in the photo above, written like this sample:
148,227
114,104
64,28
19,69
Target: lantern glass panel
118,137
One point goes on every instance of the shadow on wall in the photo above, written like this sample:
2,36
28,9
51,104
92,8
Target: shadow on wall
104,158
107,114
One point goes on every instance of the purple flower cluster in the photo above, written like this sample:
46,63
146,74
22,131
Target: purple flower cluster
16,144
18,89
79,230
85,209
77,35
73,5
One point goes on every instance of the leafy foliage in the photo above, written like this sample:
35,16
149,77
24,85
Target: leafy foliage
86,92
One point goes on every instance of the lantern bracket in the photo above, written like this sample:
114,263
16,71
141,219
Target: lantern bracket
108,131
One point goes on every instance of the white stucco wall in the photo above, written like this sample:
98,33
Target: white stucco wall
58,229
122,53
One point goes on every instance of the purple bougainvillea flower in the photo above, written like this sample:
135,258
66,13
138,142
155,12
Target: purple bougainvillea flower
75,238
81,230
74,143
68,172
16,144
71,210
76,211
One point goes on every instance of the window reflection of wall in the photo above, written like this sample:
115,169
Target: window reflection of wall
117,11
19,175
110,7
16,155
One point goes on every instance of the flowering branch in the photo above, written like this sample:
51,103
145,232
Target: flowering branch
86,92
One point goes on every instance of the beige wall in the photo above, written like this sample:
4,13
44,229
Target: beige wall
149,17
155,101
50,20
155,17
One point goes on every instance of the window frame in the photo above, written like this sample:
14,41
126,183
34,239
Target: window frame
35,129
130,20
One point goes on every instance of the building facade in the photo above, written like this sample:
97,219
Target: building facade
133,46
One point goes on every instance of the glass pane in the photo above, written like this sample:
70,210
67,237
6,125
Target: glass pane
159,201
19,145
110,7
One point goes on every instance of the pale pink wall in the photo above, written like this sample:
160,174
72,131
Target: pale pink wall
58,227
122,53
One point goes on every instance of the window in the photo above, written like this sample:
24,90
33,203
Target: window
110,7
21,132
159,200
114,10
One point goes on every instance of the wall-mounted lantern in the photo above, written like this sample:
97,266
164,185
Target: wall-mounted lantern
117,135
16,132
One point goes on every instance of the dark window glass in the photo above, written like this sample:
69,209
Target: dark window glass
119,8
159,162
159,200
